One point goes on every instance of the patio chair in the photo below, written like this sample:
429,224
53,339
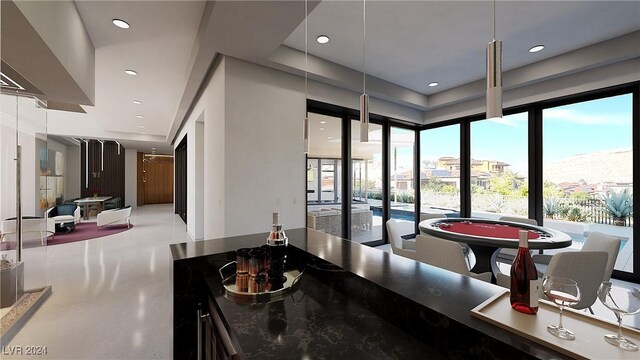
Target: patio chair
445,254
396,229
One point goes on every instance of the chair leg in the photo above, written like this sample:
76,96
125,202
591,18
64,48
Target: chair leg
591,310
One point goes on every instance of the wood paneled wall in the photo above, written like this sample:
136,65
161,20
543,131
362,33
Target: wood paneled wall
107,178
155,179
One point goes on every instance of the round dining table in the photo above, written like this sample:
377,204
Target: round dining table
486,236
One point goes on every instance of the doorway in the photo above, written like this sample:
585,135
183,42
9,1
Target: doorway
155,179
181,179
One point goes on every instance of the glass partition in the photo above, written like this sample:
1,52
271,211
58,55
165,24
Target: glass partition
499,167
588,171
366,204
324,169
402,196
25,195
440,172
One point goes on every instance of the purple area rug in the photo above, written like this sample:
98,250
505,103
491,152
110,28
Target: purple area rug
83,231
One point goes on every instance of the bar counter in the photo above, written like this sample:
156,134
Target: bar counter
353,302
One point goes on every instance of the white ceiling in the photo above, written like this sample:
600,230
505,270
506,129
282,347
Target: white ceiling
411,43
158,46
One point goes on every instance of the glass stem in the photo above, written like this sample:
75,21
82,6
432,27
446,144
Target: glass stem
619,327
560,327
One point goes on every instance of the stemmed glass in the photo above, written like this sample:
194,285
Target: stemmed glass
563,292
623,306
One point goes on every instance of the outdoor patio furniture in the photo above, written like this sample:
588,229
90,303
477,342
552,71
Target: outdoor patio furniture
63,217
329,220
114,217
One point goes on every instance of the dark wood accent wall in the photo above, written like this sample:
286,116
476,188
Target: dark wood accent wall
140,178
107,178
158,179
181,179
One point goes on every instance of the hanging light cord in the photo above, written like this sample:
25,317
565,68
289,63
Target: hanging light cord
306,50
364,46
494,19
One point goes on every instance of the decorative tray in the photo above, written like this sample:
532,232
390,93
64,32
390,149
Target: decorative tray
589,330
232,292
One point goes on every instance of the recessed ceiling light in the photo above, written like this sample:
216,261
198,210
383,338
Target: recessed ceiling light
322,39
432,84
329,137
137,102
120,23
323,122
131,72
139,116
321,129
536,48
141,126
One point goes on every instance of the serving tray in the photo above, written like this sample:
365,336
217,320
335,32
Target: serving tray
241,297
589,329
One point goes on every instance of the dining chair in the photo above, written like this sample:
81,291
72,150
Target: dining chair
396,229
465,247
445,254
596,241
586,268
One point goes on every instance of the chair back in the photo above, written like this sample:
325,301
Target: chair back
597,241
517,219
584,267
65,209
395,230
442,253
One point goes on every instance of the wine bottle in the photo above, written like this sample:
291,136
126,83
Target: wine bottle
524,279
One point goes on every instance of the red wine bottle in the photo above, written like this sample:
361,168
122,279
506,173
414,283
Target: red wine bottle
524,279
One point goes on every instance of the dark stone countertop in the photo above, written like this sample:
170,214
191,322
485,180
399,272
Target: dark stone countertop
379,306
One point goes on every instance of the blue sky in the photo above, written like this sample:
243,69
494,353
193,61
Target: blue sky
585,127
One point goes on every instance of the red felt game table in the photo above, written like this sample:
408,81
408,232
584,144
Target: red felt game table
485,236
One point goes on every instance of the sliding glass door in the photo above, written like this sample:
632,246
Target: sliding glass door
402,177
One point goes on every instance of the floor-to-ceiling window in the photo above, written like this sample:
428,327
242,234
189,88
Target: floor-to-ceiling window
588,171
440,171
324,169
499,167
402,177
367,184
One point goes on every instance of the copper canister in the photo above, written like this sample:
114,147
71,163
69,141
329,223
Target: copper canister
242,260
242,282
257,261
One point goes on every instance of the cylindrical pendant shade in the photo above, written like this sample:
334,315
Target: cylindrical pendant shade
305,129
364,118
494,79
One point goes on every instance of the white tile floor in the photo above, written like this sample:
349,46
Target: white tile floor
111,295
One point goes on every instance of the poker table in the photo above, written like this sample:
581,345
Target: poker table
485,236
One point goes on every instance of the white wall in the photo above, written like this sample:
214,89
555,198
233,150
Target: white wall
265,163
130,177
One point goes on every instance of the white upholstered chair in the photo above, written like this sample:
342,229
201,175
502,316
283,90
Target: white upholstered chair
114,217
596,241
445,254
587,268
396,229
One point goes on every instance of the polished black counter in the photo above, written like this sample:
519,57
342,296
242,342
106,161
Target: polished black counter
353,302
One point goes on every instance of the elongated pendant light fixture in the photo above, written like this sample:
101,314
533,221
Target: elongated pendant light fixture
364,98
305,126
494,74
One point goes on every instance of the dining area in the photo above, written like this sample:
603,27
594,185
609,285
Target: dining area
540,263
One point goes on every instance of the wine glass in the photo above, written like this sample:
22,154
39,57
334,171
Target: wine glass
629,305
563,292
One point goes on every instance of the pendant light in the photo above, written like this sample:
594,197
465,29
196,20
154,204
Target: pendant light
494,74
305,126
364,98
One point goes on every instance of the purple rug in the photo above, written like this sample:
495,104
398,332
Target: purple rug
83,231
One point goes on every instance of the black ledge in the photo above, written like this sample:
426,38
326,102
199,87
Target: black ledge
431,304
